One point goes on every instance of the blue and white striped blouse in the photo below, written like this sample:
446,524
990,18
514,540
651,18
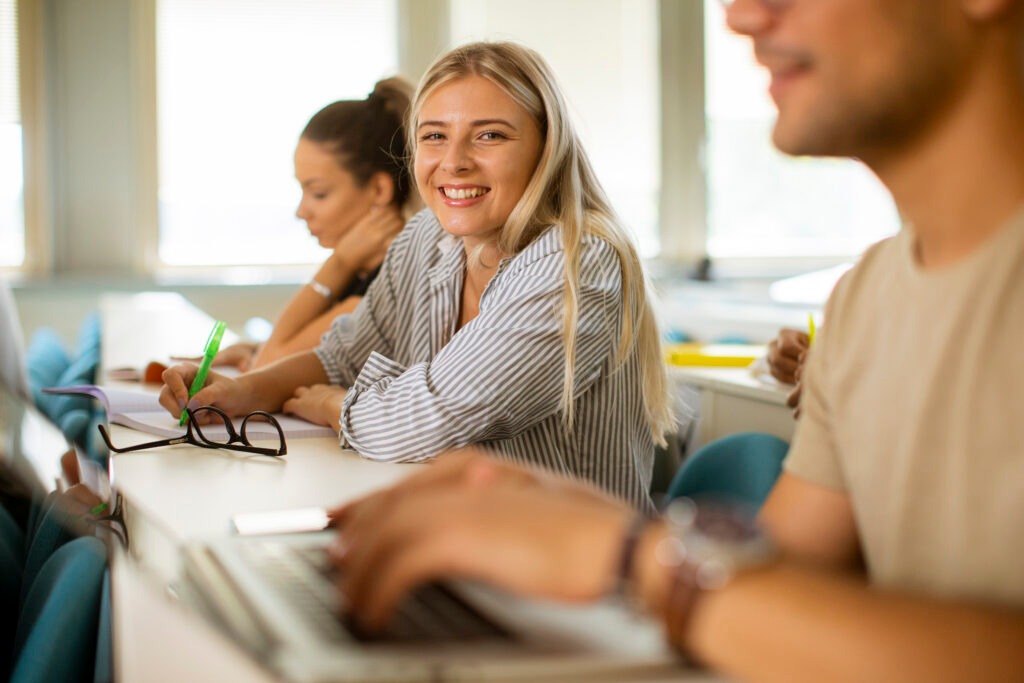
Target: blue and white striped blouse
418,387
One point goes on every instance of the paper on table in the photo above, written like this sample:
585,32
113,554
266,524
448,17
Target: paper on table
142,411
296,520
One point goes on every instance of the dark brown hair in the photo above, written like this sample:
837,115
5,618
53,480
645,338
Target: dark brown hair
368,136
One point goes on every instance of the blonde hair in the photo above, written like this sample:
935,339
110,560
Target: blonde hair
563,192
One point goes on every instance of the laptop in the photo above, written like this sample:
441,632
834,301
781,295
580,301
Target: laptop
30,448
277,596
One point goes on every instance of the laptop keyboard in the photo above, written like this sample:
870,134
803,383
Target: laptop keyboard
306,578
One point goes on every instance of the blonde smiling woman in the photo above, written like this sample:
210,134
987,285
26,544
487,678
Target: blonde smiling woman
512,312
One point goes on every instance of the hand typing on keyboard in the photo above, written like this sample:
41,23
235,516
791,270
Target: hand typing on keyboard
306,577
472,516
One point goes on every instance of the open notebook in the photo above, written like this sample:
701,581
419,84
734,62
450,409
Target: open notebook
142,411
278,597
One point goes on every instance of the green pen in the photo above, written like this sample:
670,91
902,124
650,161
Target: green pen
212,346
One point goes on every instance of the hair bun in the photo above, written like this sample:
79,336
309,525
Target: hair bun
393,95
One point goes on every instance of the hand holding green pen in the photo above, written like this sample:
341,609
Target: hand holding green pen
212,346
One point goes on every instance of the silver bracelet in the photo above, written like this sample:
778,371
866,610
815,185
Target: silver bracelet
321,289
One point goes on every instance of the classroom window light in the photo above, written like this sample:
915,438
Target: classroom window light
605,54
237,82
761,203
12,186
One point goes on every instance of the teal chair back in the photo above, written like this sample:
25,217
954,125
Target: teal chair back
57,631
49,531
51,364
737,468
104,671
46,359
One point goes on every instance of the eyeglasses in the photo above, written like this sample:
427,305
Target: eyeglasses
235,440
112,521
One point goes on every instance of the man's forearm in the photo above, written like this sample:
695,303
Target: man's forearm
786,623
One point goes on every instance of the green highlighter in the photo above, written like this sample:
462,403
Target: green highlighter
212,346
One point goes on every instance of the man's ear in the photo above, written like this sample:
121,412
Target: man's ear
383,188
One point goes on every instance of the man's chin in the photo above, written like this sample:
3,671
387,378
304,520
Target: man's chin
806,140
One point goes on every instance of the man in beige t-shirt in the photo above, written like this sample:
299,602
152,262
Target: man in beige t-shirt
913,407
900,513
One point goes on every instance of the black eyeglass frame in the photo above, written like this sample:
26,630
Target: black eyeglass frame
238,440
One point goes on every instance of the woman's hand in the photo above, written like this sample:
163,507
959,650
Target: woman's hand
475,517
319,404
364,246
228,394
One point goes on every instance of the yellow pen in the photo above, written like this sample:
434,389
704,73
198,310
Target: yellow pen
810,329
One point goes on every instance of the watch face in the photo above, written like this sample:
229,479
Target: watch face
723,521
716,539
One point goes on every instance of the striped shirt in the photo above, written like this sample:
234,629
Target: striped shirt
418,387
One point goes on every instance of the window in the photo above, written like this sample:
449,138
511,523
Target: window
761,203
12,202
237,82
612,91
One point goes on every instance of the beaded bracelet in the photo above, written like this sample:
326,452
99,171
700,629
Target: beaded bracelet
624,586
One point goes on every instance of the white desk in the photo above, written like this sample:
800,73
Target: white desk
731,400
139,328
183,493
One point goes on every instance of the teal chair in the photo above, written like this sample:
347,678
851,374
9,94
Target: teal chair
50,365
28,583
739,468
50,529
104,670
46,359
59,622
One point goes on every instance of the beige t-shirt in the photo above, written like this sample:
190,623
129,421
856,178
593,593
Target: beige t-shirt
914,405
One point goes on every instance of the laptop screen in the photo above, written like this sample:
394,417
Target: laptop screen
30,448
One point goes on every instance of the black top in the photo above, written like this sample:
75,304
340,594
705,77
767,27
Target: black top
360,283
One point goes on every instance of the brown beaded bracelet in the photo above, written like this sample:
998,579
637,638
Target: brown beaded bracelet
624,586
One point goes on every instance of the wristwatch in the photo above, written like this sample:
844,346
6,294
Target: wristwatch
708,544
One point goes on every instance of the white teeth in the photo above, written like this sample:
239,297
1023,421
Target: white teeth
463,193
